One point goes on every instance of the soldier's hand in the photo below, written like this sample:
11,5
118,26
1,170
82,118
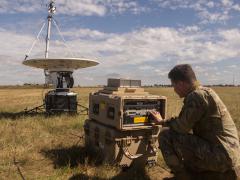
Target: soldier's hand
156,117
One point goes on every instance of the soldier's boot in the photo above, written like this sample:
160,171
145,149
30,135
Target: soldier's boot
211,175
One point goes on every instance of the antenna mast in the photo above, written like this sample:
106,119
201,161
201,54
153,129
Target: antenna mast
233,79
51,12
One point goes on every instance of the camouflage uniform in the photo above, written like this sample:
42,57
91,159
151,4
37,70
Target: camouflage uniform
203,137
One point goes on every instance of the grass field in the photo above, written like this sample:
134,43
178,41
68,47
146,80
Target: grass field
40,147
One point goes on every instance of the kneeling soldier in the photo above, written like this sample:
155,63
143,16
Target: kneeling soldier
203,138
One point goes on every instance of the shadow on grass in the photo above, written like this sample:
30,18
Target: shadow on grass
140,174
72,156
132,173
84,177
77,155
17,115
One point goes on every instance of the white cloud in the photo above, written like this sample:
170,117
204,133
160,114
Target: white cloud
209,17
161,72
236,7
146,67
210,4
207,11
190,29
146,52
19,6
120,6
73,7
86,33
234,66
83,7
227,3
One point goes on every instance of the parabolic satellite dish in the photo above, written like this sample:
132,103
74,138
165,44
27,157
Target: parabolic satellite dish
58,71
60,63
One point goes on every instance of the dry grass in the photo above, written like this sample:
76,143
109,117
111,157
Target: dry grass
52,148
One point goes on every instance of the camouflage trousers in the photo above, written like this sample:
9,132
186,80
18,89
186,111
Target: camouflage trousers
187,151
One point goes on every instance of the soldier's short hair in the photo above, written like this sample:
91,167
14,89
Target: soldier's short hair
182,72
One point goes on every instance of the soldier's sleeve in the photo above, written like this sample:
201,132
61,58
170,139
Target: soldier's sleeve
193,110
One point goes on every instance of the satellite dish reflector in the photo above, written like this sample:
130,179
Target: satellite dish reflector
60,63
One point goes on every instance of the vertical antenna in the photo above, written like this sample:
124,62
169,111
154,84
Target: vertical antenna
233,79
51,11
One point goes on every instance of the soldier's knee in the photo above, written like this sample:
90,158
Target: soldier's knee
164,136
164,132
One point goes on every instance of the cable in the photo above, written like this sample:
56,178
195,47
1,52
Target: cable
38,35
33,44
64,41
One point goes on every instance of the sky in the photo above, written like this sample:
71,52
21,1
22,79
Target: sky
134,39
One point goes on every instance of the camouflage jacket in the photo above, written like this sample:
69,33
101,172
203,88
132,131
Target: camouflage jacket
206,116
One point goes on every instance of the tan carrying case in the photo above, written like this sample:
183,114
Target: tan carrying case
124,148
125,108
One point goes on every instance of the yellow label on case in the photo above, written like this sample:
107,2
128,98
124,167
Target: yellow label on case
140,119
102,105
